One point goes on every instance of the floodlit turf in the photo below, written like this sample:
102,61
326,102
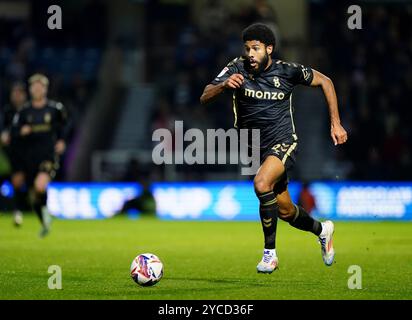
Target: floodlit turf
203,260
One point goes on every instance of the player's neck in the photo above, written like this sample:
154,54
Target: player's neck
18,106
268,64
39,103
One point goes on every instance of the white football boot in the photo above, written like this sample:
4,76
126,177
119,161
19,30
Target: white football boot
326,242
18,218
269,262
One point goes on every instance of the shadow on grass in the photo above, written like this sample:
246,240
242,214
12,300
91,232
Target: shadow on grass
266,280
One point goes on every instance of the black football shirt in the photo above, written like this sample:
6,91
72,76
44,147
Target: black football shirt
264,101
48,124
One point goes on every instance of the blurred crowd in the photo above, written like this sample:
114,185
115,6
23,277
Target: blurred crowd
69,57
372,70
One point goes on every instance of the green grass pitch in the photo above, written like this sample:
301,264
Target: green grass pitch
202,260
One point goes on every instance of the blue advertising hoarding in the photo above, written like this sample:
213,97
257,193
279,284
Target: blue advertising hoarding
363,200
209,200
89,200
232,200
237,201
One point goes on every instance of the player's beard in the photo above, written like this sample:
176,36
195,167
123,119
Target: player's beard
261,65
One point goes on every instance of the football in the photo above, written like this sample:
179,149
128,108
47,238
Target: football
146,269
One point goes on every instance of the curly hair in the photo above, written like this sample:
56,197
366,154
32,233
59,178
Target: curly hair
260,32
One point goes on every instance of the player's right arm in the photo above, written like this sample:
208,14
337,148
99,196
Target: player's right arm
211,91
63,126
5,127
228,78
19,125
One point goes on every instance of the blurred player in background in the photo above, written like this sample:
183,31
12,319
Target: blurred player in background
42,126
13,147
262,99
306,199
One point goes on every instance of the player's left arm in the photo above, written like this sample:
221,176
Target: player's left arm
62,128
338,133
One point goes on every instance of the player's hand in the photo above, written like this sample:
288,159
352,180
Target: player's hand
338,133
60,147
235,81
25,130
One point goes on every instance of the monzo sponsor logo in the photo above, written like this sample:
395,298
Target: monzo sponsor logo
266,95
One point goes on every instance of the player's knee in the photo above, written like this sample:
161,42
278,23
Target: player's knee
41,182
39,186
287,211
262,185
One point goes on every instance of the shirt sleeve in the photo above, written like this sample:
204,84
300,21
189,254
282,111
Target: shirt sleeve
63,121
7,118
300,74
226,72
19,120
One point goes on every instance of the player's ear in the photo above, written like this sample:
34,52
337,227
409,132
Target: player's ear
269,49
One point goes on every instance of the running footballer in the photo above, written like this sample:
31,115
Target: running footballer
262,96
42,126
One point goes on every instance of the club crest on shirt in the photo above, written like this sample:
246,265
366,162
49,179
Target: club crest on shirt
47,117
276,82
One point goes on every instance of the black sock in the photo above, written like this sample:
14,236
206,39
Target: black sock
19,199
303,221
39,203
37,210
268,211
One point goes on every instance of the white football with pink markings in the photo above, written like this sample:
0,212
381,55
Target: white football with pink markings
146,269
